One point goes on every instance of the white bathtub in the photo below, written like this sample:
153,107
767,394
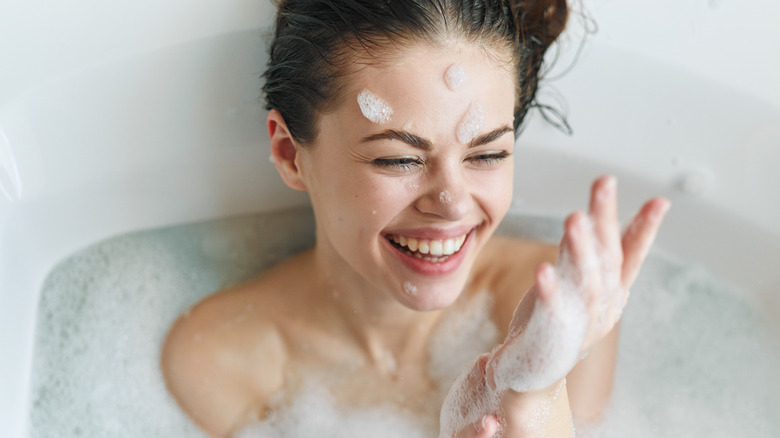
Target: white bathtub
127,115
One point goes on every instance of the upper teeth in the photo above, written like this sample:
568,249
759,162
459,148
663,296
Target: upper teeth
433,247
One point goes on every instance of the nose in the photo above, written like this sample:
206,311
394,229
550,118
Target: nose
447,195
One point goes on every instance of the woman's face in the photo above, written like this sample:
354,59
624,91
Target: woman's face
404,205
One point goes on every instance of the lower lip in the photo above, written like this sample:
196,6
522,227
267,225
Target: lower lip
424,267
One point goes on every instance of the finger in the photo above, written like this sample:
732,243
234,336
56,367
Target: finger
604,212
546,284
476,378
489,426
578,263
618,304
577,240
639,236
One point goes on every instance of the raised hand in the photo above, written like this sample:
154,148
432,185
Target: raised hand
572,306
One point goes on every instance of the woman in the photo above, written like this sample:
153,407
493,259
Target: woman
397,117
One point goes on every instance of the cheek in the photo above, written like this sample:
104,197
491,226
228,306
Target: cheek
367,201
494,194
386,197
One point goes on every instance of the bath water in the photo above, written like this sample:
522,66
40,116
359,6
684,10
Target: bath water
697,358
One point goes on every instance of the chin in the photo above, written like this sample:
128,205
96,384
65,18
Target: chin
430,299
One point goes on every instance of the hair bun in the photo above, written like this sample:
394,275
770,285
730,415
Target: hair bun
542,20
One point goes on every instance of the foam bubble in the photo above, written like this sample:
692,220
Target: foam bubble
455,77
313,412
472,123
547,350
713,348
410,288
460,337
373,107
445,197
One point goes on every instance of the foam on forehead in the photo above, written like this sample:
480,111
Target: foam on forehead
455,77
472,123
373,107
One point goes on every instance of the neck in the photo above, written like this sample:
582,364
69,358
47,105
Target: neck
380,324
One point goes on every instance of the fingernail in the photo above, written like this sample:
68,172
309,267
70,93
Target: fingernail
610,183
484,423
659,214
548,274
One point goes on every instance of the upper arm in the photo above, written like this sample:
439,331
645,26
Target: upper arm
217,381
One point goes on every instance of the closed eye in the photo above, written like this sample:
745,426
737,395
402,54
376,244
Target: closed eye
406,164
489,159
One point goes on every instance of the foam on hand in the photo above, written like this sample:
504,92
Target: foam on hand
121,296
455,77
373,107
472,124
548,348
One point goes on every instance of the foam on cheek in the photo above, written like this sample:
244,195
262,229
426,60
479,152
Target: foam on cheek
455,77
471,124
374,108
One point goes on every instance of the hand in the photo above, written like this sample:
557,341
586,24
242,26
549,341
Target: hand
574,304
468,409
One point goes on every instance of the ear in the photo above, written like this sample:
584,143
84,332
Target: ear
285,151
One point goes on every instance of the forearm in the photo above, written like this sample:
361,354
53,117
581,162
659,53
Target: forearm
590,382
541,413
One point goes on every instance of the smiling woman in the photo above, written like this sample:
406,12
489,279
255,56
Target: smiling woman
396,119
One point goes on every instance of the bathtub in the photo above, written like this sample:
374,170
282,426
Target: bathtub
132,115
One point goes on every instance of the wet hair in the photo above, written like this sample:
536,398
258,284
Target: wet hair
316,43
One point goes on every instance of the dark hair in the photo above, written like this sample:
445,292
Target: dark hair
316,40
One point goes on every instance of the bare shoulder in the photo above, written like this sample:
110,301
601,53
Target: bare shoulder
223,359
506,268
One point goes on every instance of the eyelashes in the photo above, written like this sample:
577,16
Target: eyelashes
492,158
411,163
406,164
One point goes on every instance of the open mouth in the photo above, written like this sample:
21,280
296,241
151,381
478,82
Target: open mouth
429,250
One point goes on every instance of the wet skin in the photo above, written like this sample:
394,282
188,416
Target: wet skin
338,308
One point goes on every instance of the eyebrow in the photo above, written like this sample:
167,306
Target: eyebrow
425,144
491,136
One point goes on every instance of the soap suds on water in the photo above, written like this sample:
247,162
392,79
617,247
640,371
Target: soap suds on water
448,351
373,107
711,350
455,77
472,124
314,413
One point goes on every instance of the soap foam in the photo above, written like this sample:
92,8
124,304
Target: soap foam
444,197
455,77
472,124
714,351
410,288
314,413
546,348
374,108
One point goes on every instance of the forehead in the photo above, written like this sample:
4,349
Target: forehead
413,82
